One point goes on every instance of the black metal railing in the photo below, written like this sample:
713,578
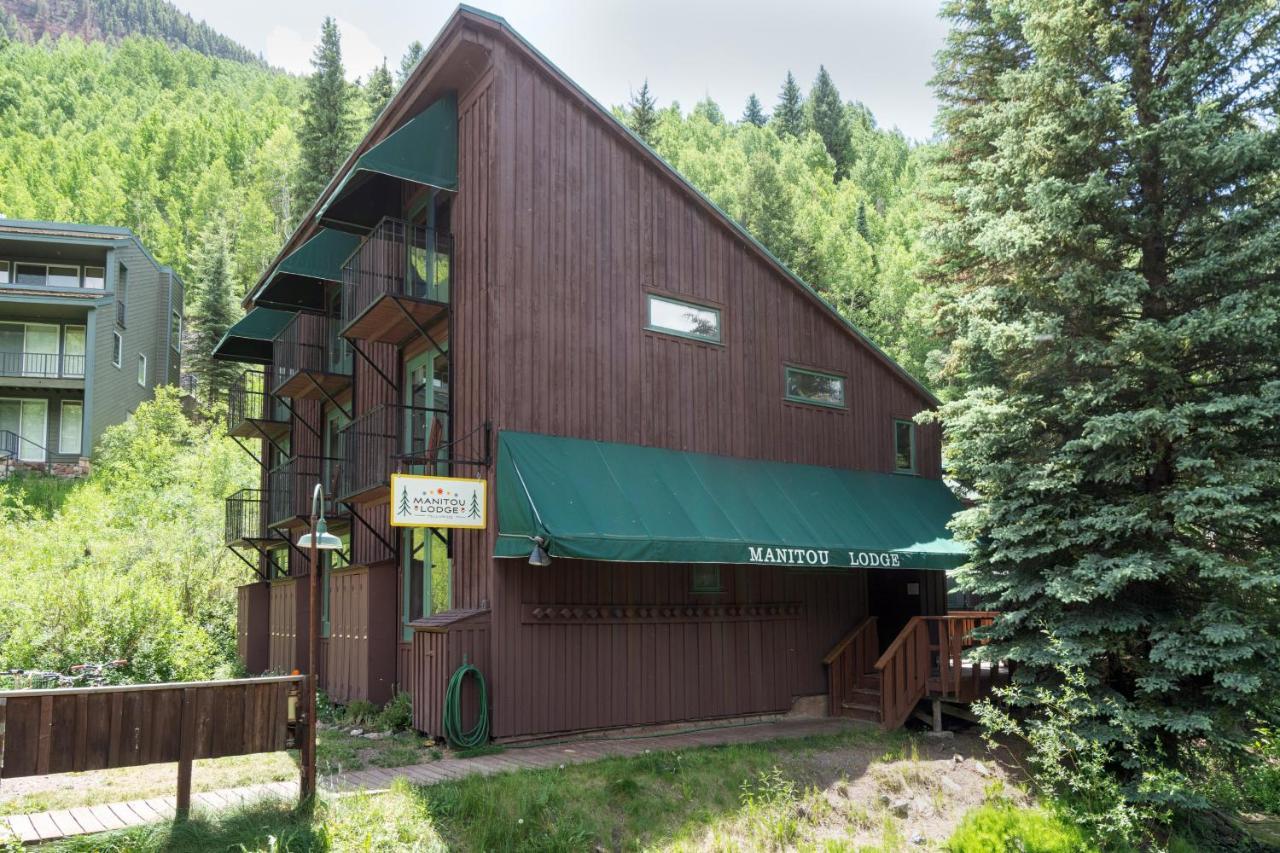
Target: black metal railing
397,259
12,446
291,483
249,399
246,516
43,365
391,439
310,343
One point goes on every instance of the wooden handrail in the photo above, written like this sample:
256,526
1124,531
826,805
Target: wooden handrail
898,642
848,638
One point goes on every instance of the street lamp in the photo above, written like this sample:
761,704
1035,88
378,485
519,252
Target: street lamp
316,540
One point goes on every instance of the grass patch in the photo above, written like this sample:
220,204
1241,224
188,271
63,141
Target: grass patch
999,826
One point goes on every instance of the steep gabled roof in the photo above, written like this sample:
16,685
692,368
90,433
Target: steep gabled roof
495,23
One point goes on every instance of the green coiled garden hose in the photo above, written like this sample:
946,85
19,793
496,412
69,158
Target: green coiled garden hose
453,733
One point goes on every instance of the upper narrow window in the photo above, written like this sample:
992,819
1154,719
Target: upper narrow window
117,348
681,318
95,278
812,386
64,276
175,330
4,272
142,370
904,447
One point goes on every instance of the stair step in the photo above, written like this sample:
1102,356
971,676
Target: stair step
860,706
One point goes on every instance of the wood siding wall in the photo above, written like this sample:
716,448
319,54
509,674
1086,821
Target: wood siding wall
288,645
360,660
253,626
434,657
561,230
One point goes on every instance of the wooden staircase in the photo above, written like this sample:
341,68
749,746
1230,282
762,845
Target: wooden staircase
925,660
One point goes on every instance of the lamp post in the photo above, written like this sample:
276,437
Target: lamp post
318,539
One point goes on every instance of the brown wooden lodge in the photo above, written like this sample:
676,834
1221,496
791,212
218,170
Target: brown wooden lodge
502,282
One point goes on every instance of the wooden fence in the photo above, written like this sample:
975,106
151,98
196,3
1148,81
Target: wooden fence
98,728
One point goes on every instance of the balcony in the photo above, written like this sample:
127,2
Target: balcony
246,520
396,283
386,440
41,365
253,411
312,361
290,485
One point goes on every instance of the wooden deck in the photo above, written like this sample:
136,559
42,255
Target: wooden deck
66,823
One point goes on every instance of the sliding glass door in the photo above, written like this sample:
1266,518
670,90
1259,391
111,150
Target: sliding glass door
28,421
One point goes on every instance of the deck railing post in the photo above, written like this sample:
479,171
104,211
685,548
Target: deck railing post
186,752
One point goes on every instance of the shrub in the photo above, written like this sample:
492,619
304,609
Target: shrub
396,715
1001,827
360,712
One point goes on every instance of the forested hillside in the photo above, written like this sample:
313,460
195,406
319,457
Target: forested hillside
112,20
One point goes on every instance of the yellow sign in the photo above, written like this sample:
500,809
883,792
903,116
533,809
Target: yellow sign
418,501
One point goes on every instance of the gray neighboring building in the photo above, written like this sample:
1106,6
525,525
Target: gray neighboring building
90,324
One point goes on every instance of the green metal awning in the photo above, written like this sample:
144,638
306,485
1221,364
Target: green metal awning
596,500
422,151
251,338
297,281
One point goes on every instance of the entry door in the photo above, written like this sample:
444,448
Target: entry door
895,595
427,402
28,420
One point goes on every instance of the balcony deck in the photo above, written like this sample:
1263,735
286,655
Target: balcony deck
396,284
311,361
386,440
253,412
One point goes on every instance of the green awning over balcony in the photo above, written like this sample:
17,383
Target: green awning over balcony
251,338
297,281
596,500
422,151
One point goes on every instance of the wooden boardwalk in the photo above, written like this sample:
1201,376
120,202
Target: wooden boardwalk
64,823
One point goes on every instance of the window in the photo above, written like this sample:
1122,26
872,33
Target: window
681,318
117,349
904,447
122,290
64,276
73,351
70,426
334,423
811,386
95,278
706,579
30,274
175,330
426,577
4,272
23,424
142,370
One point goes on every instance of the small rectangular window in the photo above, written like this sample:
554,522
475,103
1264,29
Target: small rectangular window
70,427
175,330
904,447
683,319
95,278
30,274
117,349
4,272
64,276
706,580
142,370
812,386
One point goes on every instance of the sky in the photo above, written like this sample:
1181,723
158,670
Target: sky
879,52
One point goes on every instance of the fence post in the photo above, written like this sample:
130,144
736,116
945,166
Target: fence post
186,752
4,712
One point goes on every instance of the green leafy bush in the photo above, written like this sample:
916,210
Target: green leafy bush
396,715
1001,827
131,563
360,712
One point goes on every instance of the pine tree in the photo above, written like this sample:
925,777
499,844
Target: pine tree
788,116
827,117
378,90
475,505
754,112
213,313
644,113
1116,369
327,134
710,110
407,62
405,509
861,224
